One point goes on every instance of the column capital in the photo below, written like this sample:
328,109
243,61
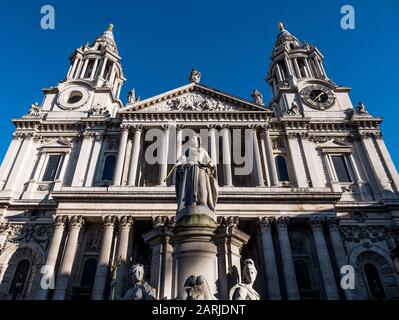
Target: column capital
282,222
59,221
264,127
180,126
333,223
165,127
137,127
212,126
225,126
316,223
125,222
230,221
76,222
109,221
254,126
266,222
124,127
163,221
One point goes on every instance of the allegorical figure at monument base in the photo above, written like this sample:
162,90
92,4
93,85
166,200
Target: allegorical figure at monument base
244,290
140,290
196,181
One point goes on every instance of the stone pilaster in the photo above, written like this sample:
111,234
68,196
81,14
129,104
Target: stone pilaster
229,241
161,259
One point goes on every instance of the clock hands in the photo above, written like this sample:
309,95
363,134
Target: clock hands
317,98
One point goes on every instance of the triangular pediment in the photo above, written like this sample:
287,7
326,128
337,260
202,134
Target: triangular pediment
56,143
335,144
193,98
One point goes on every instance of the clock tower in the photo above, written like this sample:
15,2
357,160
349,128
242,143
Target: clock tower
93,82
299,82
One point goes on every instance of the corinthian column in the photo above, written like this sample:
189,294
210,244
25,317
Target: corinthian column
135,155
273,286
104,258
260,182
323,257
269,156
64,274
125,225
121,155
52,255
339,250
227,175
286,256
163,165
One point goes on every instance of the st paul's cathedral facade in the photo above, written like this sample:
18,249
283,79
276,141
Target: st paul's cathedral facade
196,193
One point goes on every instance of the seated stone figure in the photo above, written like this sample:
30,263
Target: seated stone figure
244,290
196,288
141,290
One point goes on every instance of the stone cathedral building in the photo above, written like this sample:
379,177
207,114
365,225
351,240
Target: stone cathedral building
80,201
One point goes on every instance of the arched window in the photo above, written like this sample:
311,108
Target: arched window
374,282
89,273
109,167
21,274
302,275
282,169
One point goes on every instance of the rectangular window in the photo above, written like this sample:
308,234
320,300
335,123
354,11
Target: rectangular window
52,167
341,169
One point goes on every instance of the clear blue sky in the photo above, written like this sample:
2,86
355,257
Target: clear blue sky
230,42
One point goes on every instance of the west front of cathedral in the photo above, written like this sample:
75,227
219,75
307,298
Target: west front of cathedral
196,193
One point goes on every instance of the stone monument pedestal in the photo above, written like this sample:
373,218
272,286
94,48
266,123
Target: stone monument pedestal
196,245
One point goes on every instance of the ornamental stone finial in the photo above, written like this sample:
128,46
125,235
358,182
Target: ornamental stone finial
110,27
280,26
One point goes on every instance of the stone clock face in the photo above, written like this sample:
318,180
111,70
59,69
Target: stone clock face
73,98
318,97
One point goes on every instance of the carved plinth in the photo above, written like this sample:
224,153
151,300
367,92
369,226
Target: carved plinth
196,216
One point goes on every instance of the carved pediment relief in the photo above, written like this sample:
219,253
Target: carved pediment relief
194,102
193,98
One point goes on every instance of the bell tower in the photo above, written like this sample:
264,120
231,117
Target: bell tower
299,82
93,82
